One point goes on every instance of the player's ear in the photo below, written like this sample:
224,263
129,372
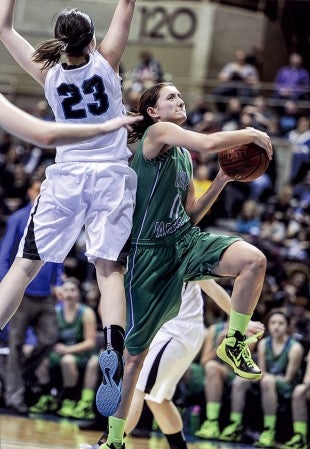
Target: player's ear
152,112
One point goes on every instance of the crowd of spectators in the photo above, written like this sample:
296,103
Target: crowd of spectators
275,220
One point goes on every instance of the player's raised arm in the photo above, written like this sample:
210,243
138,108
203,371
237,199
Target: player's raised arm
49,134
113,44
20,49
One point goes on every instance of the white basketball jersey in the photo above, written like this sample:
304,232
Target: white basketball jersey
88,94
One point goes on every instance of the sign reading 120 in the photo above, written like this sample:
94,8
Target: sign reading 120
161,23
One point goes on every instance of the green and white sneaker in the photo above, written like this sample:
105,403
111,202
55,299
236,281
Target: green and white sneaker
67,408
266,439
45,404
209,430
298,441
233,432
234,351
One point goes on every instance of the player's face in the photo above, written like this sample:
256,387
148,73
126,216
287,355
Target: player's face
170,106
71,292
277,325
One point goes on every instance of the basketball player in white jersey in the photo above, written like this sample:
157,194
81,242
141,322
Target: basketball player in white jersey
91,183
171,352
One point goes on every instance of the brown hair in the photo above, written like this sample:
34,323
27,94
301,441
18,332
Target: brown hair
279,311
73,31
148,99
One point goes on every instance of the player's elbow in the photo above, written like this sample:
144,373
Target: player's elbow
5,32
47,139
211,144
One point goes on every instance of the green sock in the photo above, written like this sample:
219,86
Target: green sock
116,431
300,427
270,422
87,395
213,410
236,418
238,322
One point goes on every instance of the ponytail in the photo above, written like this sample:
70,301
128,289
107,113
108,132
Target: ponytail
49,52
74,30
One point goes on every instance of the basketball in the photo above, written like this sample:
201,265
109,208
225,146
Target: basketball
244,163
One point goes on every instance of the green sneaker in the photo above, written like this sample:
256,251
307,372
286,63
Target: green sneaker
234,351
298,441
45,404
67,408
266,439
209,430
233,432
83,410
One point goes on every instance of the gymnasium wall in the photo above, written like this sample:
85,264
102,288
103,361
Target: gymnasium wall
192,39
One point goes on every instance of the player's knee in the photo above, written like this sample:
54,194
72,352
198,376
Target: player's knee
67,361
212,368
299,391
257,261
268,382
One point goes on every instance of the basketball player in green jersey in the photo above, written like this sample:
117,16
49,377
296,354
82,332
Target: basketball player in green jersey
167,249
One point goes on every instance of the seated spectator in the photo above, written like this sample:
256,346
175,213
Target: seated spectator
148,72
217,375
280,357
248,222
302,190
300,140
296,284
298,246
288,117
301,395
256,56
237,79
208,124
231,117
272,228
195,115
292,81
76,343
300,321
284,203
260,113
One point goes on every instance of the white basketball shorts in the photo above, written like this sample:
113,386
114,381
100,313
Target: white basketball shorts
99,196
168,358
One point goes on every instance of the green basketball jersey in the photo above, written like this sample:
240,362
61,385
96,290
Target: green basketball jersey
70,333
161,194
277,364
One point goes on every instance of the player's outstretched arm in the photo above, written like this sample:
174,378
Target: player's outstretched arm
113,44
20,49
162,135
49,134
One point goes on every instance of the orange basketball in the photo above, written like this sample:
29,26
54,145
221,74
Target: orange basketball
244,163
